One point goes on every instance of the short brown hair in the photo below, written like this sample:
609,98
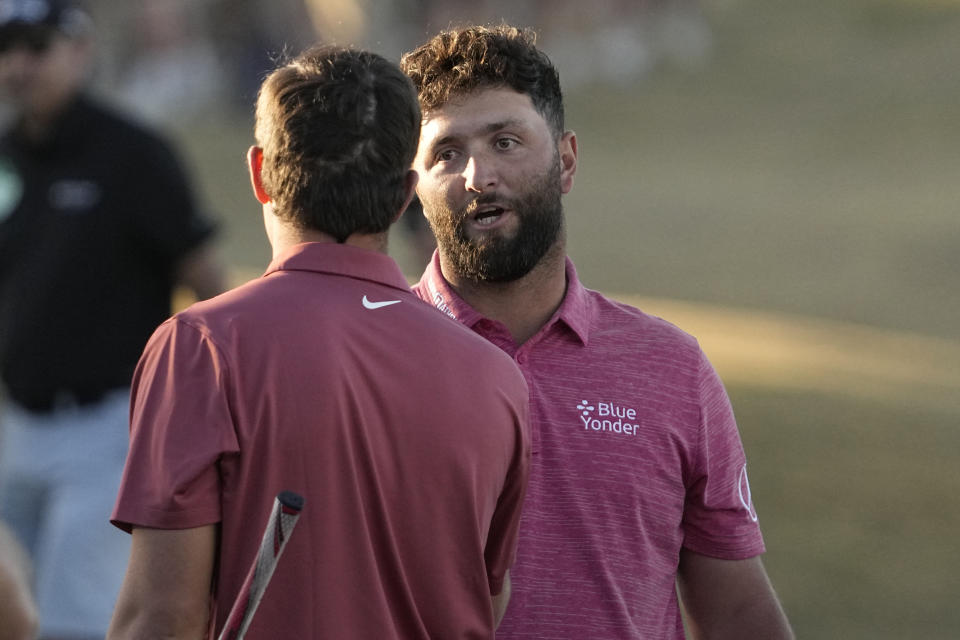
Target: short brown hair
458,61
339,129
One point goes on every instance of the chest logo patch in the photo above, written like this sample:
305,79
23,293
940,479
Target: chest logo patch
369,304
74,196
608,417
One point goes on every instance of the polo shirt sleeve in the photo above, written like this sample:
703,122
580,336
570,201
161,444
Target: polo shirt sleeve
180,428
162,205
500,551
719,518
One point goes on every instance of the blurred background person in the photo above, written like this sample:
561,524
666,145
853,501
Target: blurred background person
172,71
620,42
251,36
614,42
97,226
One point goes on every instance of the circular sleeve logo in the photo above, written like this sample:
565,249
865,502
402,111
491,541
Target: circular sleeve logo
744,490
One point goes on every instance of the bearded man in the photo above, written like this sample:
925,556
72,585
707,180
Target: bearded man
638,480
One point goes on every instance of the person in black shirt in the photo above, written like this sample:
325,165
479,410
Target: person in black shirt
97,226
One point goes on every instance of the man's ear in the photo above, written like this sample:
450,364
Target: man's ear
567,147
410,190
255,165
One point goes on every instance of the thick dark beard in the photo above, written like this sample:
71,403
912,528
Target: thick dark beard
495,258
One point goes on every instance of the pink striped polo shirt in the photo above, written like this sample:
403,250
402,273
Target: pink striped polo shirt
636,454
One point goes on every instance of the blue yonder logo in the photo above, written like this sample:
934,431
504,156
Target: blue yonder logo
608,417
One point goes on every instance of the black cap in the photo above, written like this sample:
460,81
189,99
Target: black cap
67,16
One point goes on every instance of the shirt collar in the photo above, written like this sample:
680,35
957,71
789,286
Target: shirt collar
575,311
341,260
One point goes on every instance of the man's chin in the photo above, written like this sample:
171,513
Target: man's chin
497,269
481,240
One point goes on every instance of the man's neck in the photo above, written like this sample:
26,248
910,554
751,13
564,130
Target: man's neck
284,236
523,305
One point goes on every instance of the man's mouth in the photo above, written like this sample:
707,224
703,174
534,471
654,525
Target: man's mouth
487,215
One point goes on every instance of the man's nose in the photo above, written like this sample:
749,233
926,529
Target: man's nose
479,175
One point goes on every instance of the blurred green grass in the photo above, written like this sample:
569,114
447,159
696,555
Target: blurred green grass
810,168
858,502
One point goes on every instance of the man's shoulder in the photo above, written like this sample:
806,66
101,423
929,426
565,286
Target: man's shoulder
239,304
613,317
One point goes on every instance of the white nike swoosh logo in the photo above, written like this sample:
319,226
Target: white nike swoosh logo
377,305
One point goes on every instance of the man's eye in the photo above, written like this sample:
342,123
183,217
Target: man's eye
446,155
505,143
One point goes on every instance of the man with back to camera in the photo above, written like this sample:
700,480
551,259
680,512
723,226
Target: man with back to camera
638,485
97,225
405,432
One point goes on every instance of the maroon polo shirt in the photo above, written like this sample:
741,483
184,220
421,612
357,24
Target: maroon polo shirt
406,434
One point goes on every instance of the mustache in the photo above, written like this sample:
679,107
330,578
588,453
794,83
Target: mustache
482,200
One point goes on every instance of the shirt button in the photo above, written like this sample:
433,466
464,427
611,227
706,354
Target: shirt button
521,358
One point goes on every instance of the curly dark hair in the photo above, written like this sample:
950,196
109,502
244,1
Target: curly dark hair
458,61
339,129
